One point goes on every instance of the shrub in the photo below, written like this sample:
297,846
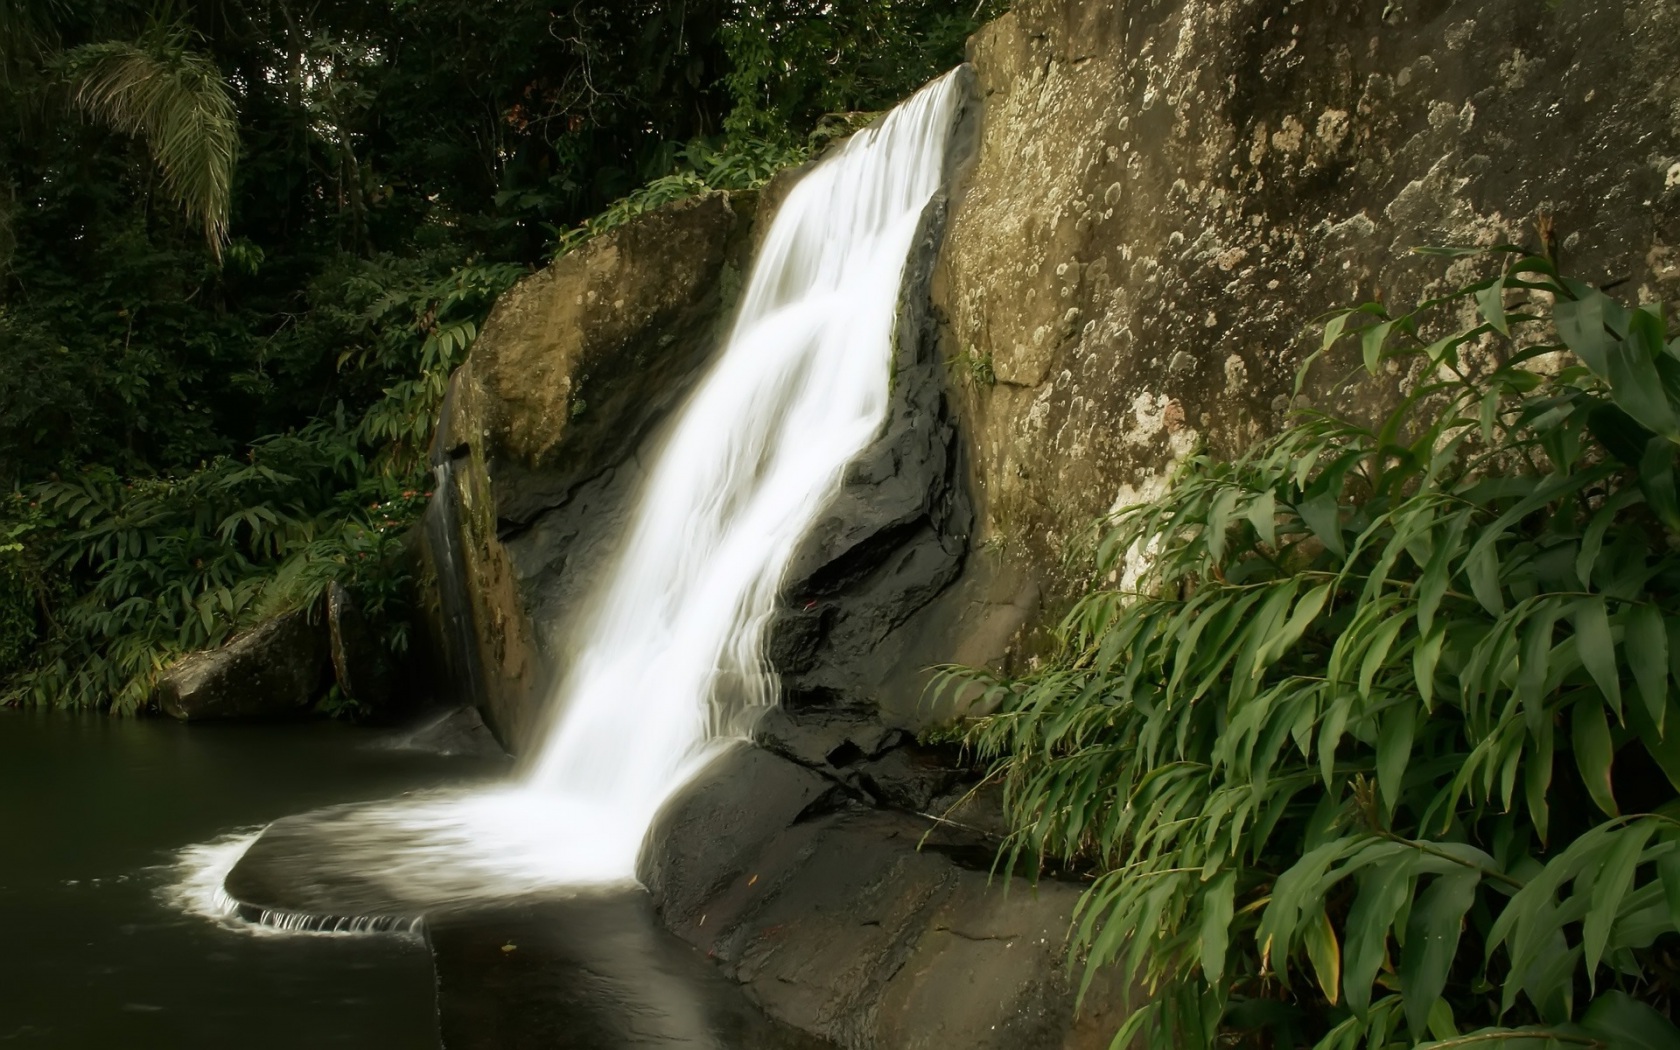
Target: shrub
147,569
1382,747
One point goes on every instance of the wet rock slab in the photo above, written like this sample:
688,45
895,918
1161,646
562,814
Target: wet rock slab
561,970
868,927
810,919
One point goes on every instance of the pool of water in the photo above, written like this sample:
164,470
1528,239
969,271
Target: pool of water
93,953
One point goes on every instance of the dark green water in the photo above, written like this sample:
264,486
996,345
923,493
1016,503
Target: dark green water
92,814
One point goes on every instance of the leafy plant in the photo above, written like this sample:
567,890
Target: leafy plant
1370,737
176,100
973,368
740,165
410,329
158,567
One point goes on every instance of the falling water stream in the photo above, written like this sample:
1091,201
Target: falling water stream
667,667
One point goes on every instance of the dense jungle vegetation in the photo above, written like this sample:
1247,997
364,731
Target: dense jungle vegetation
1370,737
242,245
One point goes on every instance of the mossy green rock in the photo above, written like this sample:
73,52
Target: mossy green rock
574,370
1167,192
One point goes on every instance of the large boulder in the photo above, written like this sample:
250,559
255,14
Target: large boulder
277,669
867,927
576,367
1168,191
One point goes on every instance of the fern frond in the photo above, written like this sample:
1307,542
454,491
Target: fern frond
176,100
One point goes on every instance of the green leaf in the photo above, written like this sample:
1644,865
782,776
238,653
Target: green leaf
1324,517
1441,1022
1598,649
1594,753
1490,301
1645,648
1580,322
1627,1024
1324,954
1635,385
1656,481
1371,342
1394,750
1432,941
1306,611
1482,566
1424,660
1537,780
1615,877
1381,893
1219,522
1217,908
1535,663
1382,640
1262,514
1668,871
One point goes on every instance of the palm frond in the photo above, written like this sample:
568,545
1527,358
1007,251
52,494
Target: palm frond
176,100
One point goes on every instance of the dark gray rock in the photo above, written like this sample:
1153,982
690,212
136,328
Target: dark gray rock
867,927
909,778
276,669
360,664
889,544
824,740
457,733
705,837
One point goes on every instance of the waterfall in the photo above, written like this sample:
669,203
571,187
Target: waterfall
669,656
667,665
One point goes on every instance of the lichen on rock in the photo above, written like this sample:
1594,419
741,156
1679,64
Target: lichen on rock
1166,194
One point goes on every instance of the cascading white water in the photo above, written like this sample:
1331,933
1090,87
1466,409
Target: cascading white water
668,665
671,656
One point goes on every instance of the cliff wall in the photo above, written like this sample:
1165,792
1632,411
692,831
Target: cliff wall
1168,191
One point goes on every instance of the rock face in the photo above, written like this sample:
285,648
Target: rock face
276,669
1168,191
360,665
849,639
573,372
841,920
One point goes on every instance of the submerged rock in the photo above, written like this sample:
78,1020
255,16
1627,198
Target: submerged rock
460,732
275,669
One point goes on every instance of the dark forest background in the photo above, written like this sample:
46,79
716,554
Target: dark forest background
242,245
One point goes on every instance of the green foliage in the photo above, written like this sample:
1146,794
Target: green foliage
793,60
973,368
175,100
276,363
25,584
407,329
158,567
739,165
1370,736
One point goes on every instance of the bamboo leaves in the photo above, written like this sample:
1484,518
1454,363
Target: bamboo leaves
1322,737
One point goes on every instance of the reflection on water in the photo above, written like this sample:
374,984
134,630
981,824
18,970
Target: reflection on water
93,812
594,972
112,935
